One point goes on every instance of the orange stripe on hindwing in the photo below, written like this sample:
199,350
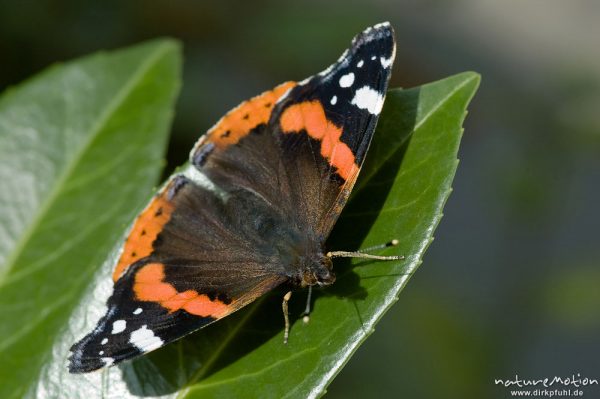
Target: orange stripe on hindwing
310,116
149,285
240,121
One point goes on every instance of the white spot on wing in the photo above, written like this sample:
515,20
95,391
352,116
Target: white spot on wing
145,340
333,100
373,58
104,341
101,353
347,80
369,99
108,360
360,64
118,326
137,311
386,62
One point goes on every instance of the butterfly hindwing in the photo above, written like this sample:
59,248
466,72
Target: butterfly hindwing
203,266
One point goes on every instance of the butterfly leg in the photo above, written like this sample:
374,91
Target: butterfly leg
306,314
286,317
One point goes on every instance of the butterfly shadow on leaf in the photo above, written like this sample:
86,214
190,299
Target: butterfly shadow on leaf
201,354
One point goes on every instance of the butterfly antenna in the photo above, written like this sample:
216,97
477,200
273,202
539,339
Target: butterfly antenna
388,244
362,252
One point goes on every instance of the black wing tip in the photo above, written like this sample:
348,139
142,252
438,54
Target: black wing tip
380,31
377,40
80,365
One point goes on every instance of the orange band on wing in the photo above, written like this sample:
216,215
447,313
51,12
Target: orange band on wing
310,116
240,121
149,286
148,225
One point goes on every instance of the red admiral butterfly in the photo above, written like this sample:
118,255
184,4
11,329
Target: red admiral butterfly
251,211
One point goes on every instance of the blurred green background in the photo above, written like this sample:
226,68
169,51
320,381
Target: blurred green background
511,285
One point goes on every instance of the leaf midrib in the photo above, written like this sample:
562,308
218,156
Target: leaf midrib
96,129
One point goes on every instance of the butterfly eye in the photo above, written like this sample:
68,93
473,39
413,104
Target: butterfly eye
327,262
324,276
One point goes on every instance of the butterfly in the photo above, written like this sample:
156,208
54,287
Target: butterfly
250,212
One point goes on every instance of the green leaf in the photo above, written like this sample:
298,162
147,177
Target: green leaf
400,194
81,146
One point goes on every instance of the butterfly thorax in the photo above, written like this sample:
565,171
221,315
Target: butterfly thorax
291,247
301,255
